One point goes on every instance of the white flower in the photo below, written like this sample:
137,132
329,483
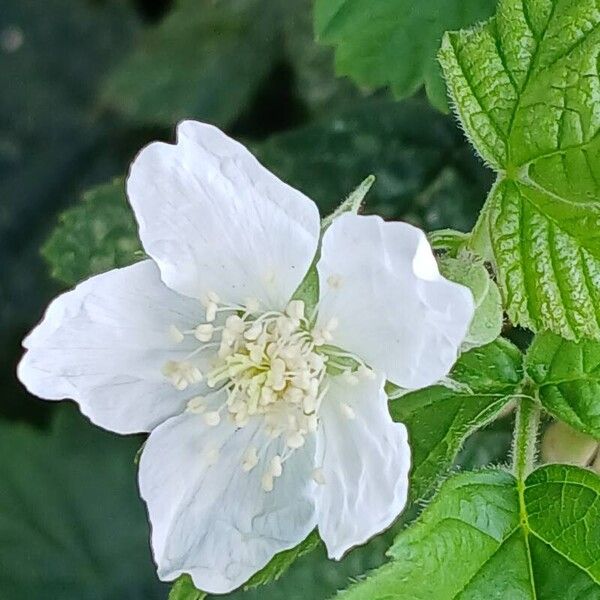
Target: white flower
265,423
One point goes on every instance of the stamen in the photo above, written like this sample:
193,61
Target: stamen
267,482
324,335
250,459
196,405
268,366
319,476
204,332
175,334
252,305
276,467
295,440
211,312
212,419
295,310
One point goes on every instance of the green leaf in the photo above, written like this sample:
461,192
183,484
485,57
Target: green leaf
97,235
205,60
525,91
439,418
567,375
394,42
183,589
487,320
71,523
486,536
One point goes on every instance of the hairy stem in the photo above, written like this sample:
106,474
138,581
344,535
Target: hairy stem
525,437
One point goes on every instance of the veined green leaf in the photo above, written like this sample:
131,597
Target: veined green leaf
526,89
394,42
439,418
487,536
567,375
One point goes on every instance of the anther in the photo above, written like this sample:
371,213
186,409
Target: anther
212,419
318,476
204,332
276,466
252,305
295,310
295,440
267,482
175,334
234,324
196,404
211,312
278,374
250,459
253,333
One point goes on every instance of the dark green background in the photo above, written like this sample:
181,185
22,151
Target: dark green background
86,83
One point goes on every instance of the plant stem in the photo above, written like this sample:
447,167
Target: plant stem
525,437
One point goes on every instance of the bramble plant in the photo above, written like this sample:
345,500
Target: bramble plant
524,86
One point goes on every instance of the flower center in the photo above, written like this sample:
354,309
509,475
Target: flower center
271,365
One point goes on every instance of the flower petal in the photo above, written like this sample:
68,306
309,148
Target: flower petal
210,518
365,461
381,282
103,345
215,219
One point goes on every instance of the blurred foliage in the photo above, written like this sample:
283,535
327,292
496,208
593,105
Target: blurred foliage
53,143
97,235
205,58
72,526
423,171
86,84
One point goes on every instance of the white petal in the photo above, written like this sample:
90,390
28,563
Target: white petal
103,345
215,219
365,460
381,282
212,519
